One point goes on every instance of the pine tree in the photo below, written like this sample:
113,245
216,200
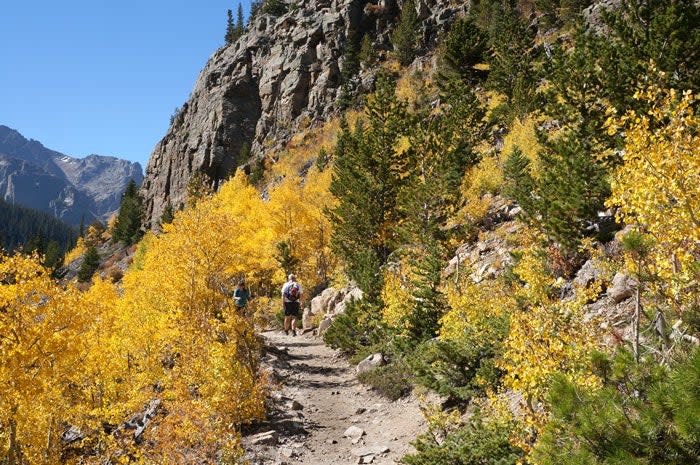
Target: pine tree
366,180
127,228
91,262
286,258
570,191
53,256
511,57
519,184
230,35
659,30
367,55
348,70
464,47
273,7
240,21
642,414
168,214
404,36
81,229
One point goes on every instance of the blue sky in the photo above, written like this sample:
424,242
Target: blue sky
100,76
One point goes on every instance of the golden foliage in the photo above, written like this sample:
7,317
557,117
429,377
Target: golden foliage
657,187
397,299
474,307
546,336
479,185
76,252
523,135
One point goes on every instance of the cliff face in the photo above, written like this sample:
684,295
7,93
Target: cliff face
282,74
69,188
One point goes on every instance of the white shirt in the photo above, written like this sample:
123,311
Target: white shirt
284,290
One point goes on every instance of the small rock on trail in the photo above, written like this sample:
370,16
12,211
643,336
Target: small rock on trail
315,377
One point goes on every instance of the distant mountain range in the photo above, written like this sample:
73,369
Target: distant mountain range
68,188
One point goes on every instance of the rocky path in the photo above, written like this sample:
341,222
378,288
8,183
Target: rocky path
321,415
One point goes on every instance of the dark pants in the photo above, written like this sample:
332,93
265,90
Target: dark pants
292,309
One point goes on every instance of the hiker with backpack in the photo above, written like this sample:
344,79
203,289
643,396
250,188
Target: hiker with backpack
291,301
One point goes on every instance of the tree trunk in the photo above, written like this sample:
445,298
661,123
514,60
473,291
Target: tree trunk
635,323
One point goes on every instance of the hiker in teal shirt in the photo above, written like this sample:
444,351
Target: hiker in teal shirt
240,297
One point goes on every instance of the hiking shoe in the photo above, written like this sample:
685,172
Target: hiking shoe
294,332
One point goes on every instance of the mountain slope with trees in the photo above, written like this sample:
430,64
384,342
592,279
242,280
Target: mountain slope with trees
517,209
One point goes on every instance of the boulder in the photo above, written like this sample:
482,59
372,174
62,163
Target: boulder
324,325
354,432
71,435
622,287
140,421
370,363
306,319
590,271
323,303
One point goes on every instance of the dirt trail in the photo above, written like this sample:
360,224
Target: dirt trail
318,400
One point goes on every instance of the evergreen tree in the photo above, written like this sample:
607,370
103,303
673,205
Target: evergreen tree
81,230
511,57
519,184
322,159
286,258
570,190
53,257
168,214
91,262
664,31
642,414
240,21
464,47
366,180
230,35
367,55
273,7
348,70
404,36
127,228
478,441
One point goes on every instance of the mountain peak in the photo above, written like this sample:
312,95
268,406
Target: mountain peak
67,187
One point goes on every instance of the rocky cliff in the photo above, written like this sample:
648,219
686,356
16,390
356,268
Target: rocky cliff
69,188
283,74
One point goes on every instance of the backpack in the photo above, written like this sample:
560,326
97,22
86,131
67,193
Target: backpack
292,292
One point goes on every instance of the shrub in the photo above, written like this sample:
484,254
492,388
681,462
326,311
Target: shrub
477,442
356,329
392,381
645,413
458,369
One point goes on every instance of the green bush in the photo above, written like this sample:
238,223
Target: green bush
392,381
274,7
358,328
478,442
91,262
644,414
460,370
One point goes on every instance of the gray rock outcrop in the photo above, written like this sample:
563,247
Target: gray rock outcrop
331,303
281,76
